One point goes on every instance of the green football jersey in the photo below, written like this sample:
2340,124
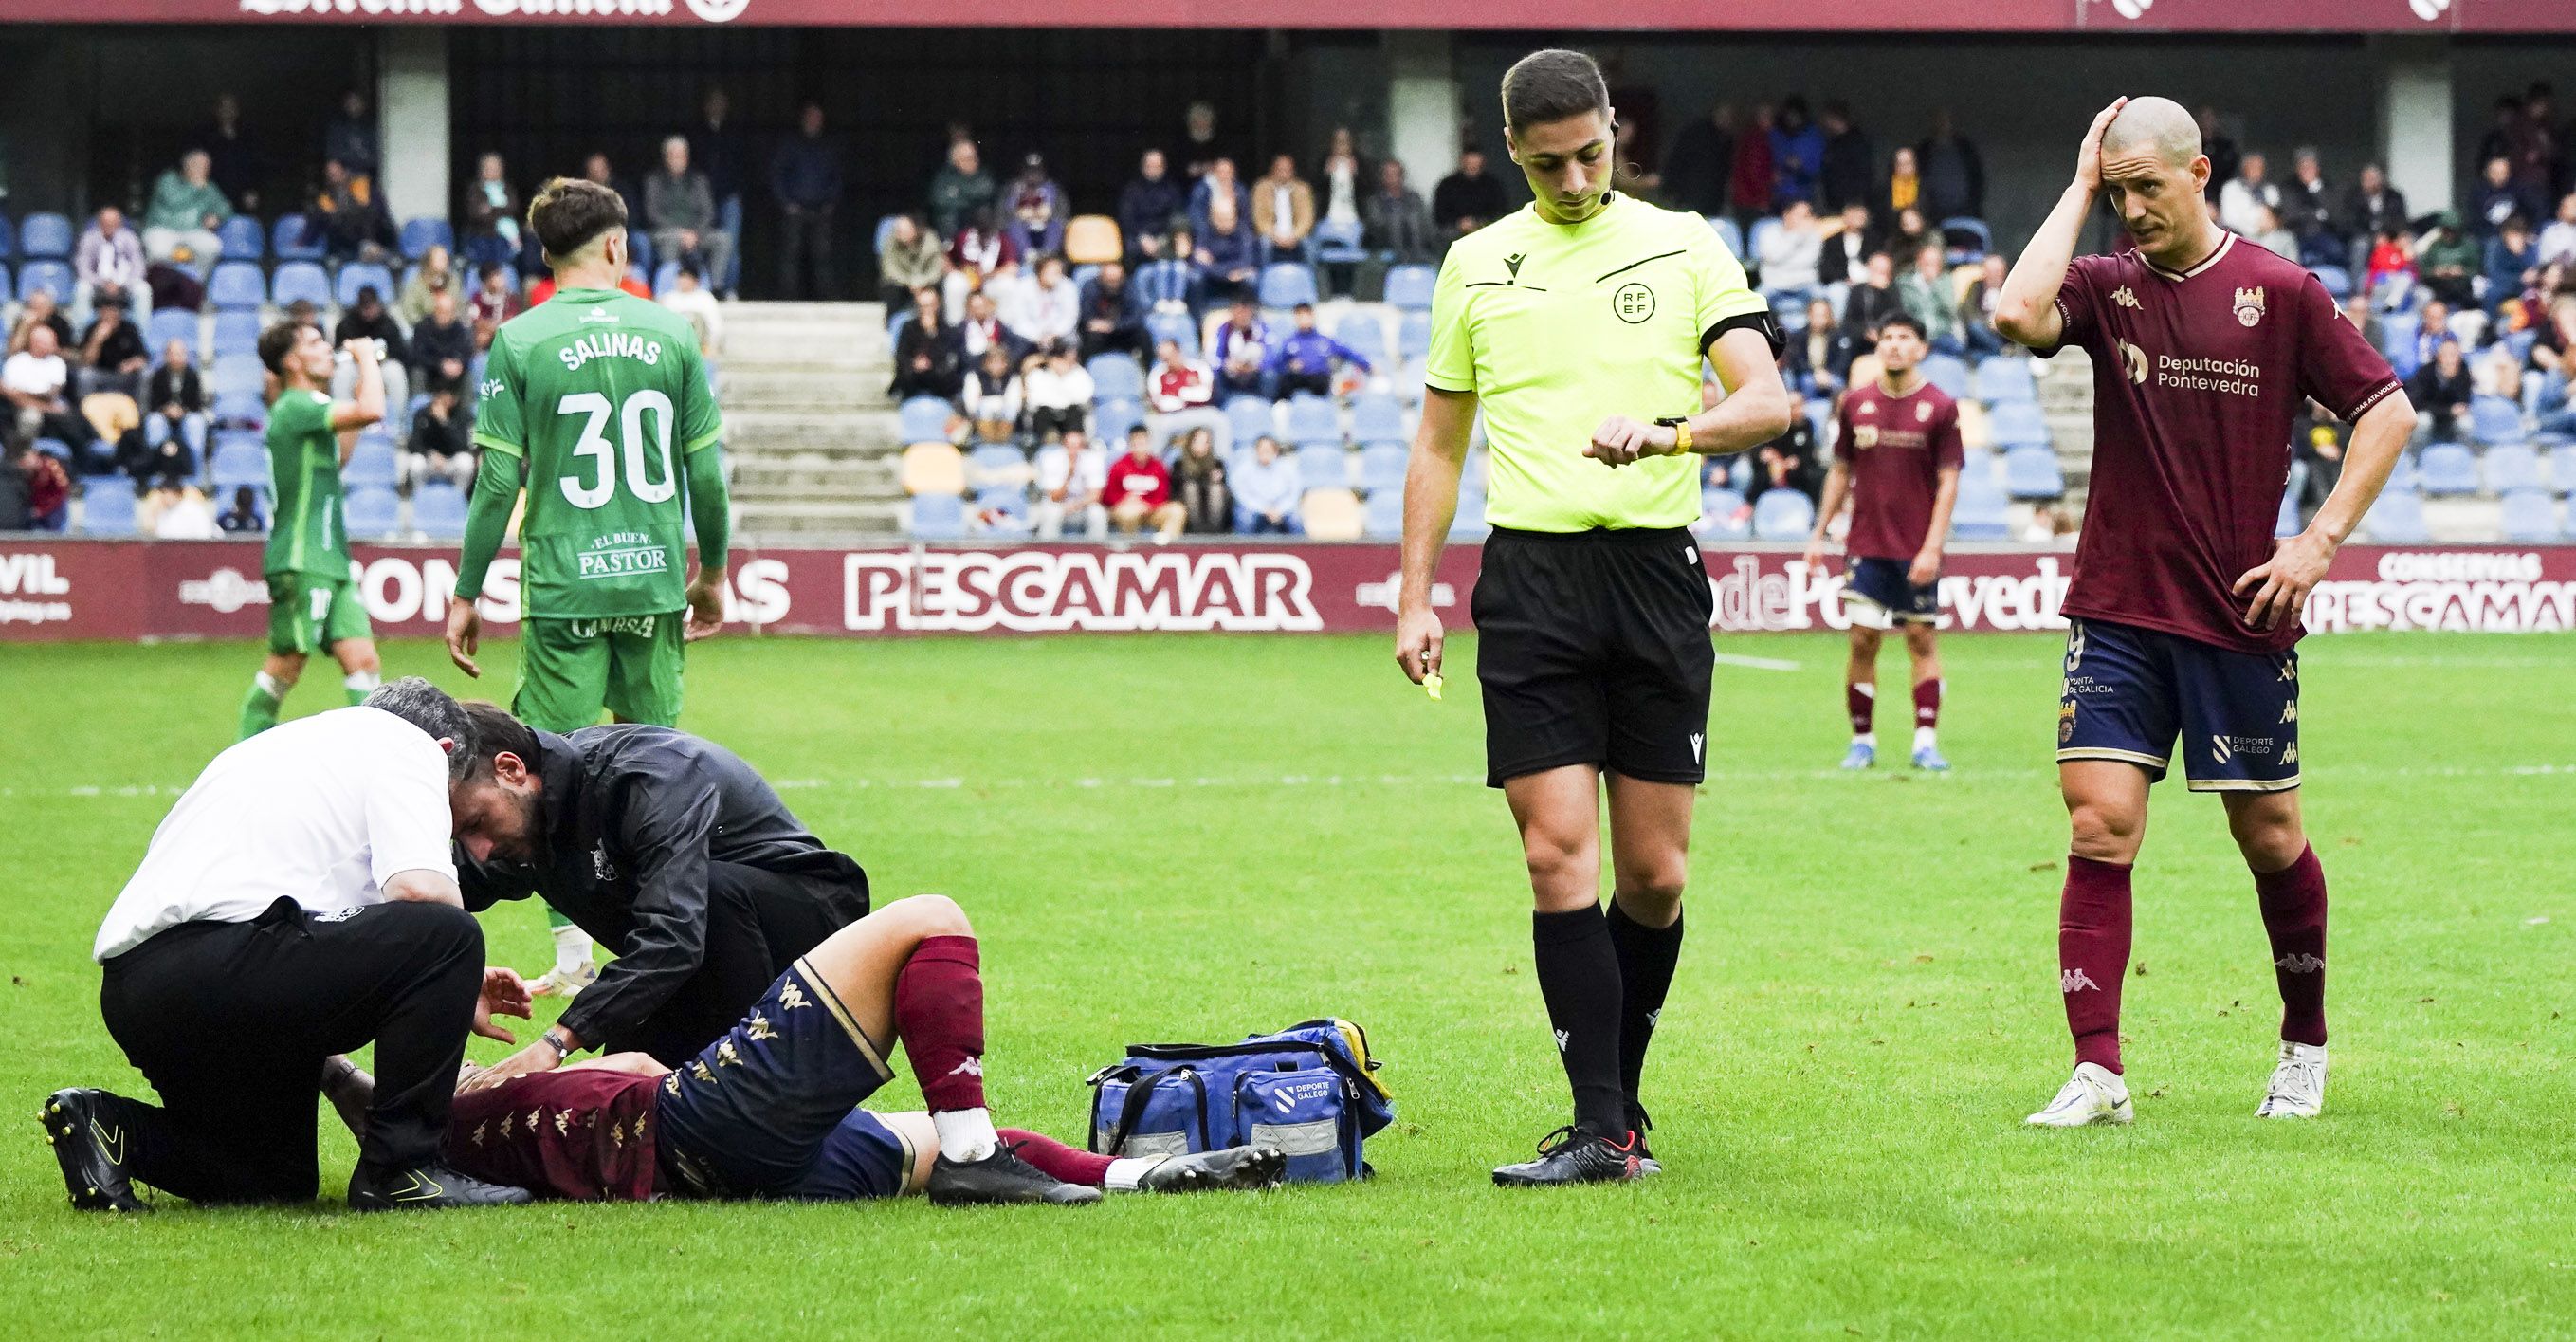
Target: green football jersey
307,534
603,395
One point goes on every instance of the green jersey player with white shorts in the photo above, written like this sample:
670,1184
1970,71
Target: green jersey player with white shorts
598,402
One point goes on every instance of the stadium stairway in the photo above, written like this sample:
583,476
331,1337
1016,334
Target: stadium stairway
808,425
2066,399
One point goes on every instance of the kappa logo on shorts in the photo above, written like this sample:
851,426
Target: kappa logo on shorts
2076,981
338,915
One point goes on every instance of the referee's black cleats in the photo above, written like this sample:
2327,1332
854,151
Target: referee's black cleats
436,1186
1001,1177
1638,1124
1577,1156
92,1148
1233,1167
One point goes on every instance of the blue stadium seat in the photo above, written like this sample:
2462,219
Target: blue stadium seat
1377,417
168,324
1718,507
1983,513
2397,518
938,517
1948,373
1175,327
1323,466
2510,467
1010,499
290,240
1729,234
2005,379
1116,377
238,286
1111,418
924,420
55,448
1339,243
235,374
419,235
371,511
300,280
1157,284
236,332
1763,228
2018,424
8,238
1413,335
2559,470
2531,518
364,275
372,463
992,457
1792,318
38,276
7,292
2285,523
1250,417
107,506
1366,336
666,277
239,407
2396,331
2336,279
438,510
2031,473
1382,515
45,234
1469,522
1409,287
2404,475
1382,467
1312,419
1966,239
1783,515
2494,419
1285,284
2446,470
243,238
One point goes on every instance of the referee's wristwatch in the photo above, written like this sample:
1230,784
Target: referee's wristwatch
1680,425
563,1047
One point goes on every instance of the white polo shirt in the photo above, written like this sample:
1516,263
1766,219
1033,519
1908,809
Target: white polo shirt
322,810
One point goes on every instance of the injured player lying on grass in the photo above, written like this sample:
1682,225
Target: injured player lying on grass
770,1109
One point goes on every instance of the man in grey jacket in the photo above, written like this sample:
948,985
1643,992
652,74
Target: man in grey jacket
680,212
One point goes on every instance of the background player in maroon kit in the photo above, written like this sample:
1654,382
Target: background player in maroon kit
2184,608
1897,456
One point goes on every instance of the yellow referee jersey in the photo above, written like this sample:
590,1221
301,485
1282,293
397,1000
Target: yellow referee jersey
1556,326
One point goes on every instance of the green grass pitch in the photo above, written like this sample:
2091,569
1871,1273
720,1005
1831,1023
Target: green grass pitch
1192,837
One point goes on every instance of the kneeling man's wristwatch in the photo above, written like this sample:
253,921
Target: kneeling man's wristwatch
555,1038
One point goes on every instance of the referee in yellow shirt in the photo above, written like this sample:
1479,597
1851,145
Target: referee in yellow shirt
1577,324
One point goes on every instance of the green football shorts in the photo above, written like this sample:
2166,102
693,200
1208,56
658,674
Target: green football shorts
310,613
571,669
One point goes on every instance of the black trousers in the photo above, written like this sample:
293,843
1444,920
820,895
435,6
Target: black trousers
758,923
231,1021
803,234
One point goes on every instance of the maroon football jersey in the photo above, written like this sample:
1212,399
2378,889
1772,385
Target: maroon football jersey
584,1133
2196,377
1896,448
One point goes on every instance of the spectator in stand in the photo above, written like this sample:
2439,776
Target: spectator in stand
1909,233
2244,195
1181,392
1749,177
981,259
2558,241
805,180
1072,477
45,488
109,260
1283,210
441,446
2507,137
1954,174
991,395
1847,248
2374,207
233,162
1174,283
1977,309
350,139
1201,145
2496,372
2511,263
179,226
2432,327
1787,462
680,211
1241,346
301,312
983,329
598,170
2220,149
242,518
113,355
491,211
1344,179
1305,360
442,345
2449,262
2441,391
2549,395
1849,164
436,274
1797,154
494,303
1149,206
348,218
1268,488
175,511
1903,189
911,260
1815,360
36,381
719,148
1034,209
961,190
1219,183
1927,296
172,461
367,319
1199,481
1139,491
2307,210
691,298
175,392
1699,160
2499,197
1048,309
928,357
1229,255
2390,269
1394,219
1057,390
1792,255
1468,199
40,309
1872,301
2268,232
1111,321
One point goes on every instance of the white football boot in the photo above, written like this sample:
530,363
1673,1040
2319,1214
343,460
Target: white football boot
2095,1094
2298,1088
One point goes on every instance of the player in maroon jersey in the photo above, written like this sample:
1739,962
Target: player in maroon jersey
1897,456
2185,609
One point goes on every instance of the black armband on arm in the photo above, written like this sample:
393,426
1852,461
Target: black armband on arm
1761,321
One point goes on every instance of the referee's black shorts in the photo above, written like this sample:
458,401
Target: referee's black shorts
1593,648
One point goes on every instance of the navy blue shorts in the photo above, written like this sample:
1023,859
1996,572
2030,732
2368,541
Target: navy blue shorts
1879,597
770,1109
2130,692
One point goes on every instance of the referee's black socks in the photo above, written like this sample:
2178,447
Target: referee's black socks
1578,974
1646,959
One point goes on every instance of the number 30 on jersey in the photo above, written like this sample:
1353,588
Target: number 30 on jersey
641,480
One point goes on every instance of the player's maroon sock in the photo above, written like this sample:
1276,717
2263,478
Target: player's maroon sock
1056,1160
2093,955
1927,702
2294,915
939,1012
1861,701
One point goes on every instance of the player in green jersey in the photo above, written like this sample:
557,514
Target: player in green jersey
598,402
312,601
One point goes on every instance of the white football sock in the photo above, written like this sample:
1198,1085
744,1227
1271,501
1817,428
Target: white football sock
1127,1173
572,949
965,1135
268,685
1922,738
1869,739
362,682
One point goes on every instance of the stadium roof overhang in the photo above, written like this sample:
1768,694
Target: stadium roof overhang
1874,16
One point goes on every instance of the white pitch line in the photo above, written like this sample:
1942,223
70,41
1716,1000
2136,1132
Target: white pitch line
1756,663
